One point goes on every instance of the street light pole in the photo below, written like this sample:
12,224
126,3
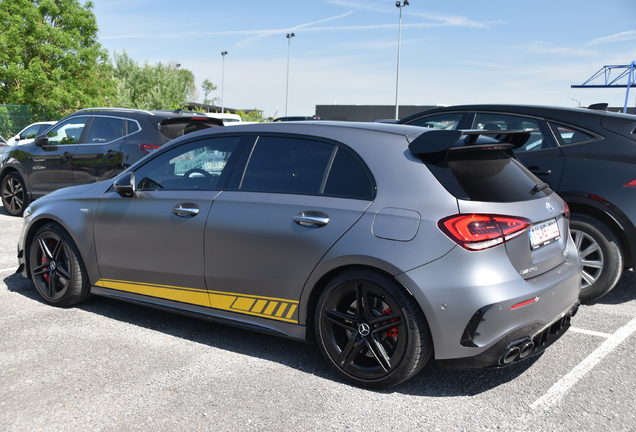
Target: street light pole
224,53
399,5
289,36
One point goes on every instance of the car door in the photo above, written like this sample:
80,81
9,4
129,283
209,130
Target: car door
151,244
540,154
50,163
99,157
279,216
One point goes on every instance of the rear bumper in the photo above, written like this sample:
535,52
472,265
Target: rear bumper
518,345
476,304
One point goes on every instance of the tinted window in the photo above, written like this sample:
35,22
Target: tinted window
196,165
347,178
439,121
495,122
132,127
30,132
67,133
570,135
175,127
485,176
287,165
105,129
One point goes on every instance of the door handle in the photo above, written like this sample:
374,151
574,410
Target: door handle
186,210
537,171
311,219
67,155
109,154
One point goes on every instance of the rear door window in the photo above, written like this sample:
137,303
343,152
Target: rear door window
105,129
496,122
305,166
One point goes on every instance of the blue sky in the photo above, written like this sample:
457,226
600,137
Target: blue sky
345,51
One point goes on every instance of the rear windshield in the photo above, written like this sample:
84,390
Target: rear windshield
176,127
490,175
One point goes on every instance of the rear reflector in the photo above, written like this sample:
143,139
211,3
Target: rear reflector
524,303
149,148
482,231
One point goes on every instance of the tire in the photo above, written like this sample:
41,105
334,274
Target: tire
601,254
56,267
14,194
378,345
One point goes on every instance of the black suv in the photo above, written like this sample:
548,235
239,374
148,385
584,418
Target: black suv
588,157
88,146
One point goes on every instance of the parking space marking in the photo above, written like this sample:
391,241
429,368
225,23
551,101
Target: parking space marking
7,270
558,390
590,332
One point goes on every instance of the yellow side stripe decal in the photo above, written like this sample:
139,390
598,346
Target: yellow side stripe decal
265,307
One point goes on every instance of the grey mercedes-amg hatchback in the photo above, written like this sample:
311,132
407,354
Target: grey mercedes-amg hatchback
387,244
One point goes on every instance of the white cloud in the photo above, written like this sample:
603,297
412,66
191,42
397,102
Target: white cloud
618,37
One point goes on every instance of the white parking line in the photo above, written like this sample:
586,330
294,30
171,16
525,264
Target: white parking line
558,390
7,270
590,332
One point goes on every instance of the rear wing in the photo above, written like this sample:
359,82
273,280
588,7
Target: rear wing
440,140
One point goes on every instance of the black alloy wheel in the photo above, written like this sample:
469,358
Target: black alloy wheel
14,196
601,254
371,333
56,267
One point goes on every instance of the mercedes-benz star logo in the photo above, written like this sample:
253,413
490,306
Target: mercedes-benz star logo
364,329
549,207
52,265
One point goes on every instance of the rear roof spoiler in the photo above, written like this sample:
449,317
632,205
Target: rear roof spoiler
438,140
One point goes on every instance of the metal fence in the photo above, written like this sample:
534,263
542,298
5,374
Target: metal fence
14,118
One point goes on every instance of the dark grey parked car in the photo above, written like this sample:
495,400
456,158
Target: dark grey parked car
88,146
387,244
588,157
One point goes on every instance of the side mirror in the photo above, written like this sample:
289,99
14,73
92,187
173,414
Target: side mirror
125,185
42,140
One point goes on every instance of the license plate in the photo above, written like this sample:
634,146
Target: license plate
544,233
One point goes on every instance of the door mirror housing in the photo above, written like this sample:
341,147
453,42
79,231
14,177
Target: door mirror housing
125,185
42,140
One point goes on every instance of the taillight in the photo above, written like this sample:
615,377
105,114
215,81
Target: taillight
482,231
149,148
631,183
567,210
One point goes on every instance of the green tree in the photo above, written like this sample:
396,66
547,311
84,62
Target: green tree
151,87
252,115
49,55
208,87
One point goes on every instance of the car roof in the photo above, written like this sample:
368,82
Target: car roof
127,112
554,112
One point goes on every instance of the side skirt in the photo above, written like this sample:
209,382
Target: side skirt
276,328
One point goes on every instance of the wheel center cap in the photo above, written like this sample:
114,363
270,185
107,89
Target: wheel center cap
52,265
364,329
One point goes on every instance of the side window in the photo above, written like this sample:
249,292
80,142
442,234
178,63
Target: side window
439,121
30,132
192,166
495,122
348,179
132,127
105,129
67,133
287,165
570,135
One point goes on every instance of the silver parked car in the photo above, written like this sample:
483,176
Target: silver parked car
387,244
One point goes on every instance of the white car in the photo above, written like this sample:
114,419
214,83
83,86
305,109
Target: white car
227,118
29,133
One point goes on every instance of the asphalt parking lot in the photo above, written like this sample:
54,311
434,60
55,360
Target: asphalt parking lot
111,366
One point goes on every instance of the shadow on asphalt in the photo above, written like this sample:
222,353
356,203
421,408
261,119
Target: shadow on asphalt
623,292
431,381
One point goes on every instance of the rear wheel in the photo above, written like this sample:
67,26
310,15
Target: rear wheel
14,194
601,254
56,267
371,332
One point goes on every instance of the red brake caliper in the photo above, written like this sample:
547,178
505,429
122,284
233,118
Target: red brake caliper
44,260
393,332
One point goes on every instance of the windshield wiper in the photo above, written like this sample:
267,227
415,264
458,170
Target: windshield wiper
538,188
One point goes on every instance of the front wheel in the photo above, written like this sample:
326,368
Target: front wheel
56,267
370,331
14,194
601,254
